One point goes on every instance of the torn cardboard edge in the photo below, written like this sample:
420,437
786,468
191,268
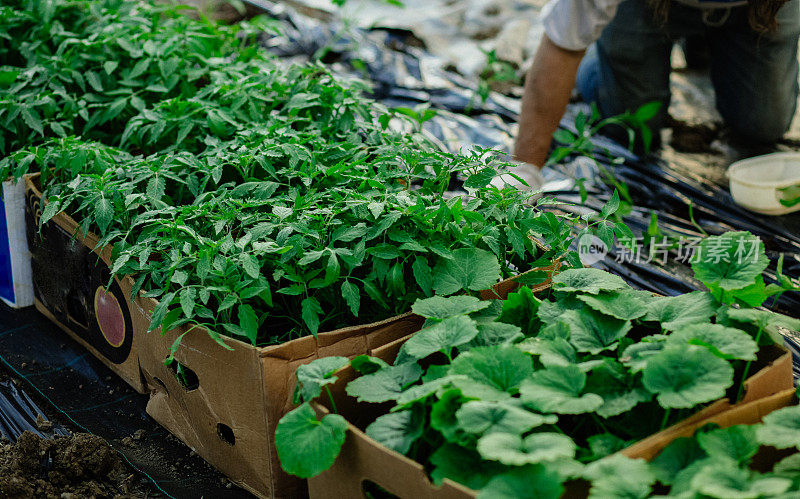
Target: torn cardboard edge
229,405
363,460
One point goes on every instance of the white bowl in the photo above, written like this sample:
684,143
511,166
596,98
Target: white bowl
756,183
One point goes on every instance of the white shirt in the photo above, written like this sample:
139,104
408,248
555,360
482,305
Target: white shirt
576,24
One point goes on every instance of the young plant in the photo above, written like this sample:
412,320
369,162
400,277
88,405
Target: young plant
545,386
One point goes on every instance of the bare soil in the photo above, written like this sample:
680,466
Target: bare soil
77,466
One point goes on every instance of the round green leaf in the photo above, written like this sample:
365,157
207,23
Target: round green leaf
732,260
674,312
619,476
593,332
529,482
736,442
438,307
781,428
385,384
495,333
678,455
724,342
636,355
555,352
482,417
587,280
557,389
686,377
468,269
625,304
513,450
397,430
499,367
727,481
443,336
313,376
307,446
620,391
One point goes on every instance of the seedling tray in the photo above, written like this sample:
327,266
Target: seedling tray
227,403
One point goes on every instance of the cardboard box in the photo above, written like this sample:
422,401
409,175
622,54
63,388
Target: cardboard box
363,461
742,413
227,403
773,379
69,285
230,416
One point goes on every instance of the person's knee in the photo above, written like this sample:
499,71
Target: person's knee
762,128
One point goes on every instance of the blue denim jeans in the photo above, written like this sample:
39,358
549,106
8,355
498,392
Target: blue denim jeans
754,76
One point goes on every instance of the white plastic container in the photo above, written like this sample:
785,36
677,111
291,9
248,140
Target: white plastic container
756,183
16,281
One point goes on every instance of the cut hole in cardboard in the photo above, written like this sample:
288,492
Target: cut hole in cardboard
225,432
162,385
185,376
372,489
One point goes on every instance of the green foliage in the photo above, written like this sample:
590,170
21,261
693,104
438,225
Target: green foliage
594,368
308,446
259,200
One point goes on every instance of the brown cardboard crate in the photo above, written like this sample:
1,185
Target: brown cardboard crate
223,405
230,408
363,460
745,412
69,277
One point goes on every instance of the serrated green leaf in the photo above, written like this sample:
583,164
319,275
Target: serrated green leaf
727,481
501,368
103,213
620,391
588,280
313,376
781,428
469,269
682,310
687,376
495,333
559,390
730,261
592,332
483,417
724,342
635,356
397,430
624,304
551,352
619,476
513,450
534,481
351,296
438,307
443,336
385,384
676,456
310,312
737,442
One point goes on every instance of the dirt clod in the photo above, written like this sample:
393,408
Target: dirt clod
43,424
79,465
